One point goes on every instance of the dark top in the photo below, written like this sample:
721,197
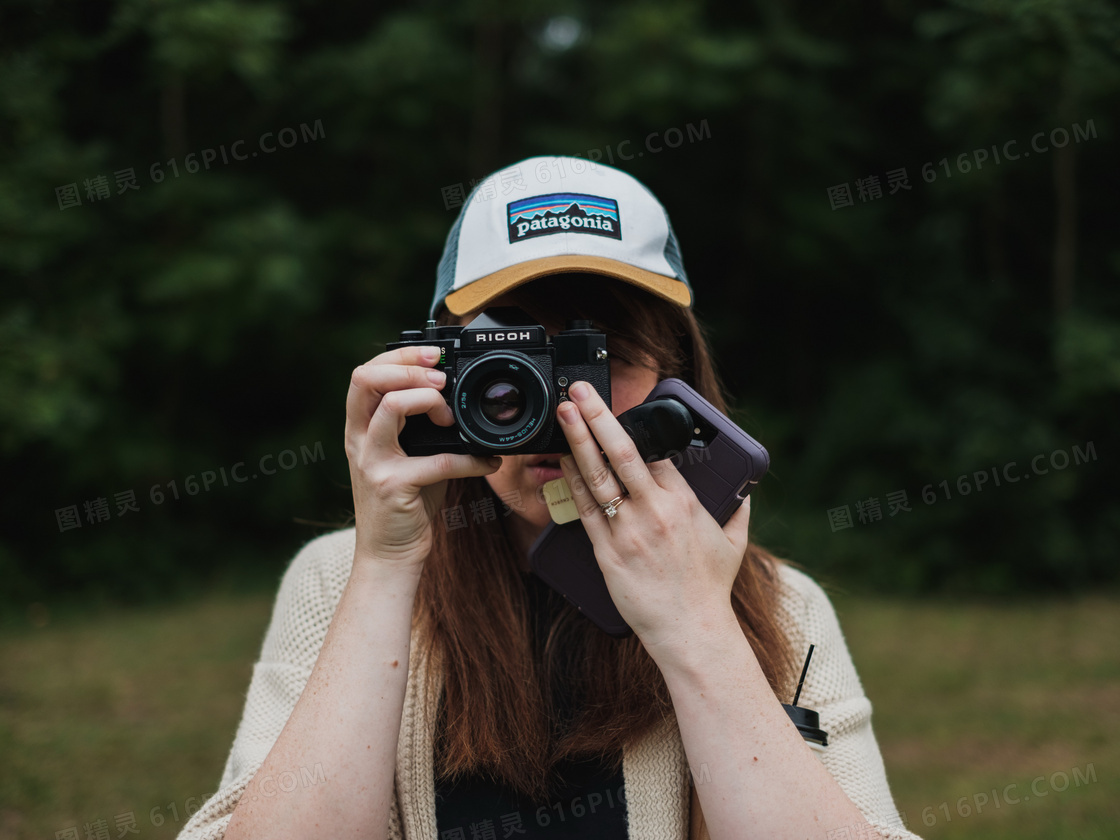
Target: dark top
478,808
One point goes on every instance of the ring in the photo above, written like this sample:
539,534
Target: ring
611,508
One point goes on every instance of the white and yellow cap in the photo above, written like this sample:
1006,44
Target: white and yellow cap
550,215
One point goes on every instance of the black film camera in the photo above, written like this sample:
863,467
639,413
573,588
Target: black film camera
505,377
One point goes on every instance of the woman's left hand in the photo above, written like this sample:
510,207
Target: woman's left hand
668,564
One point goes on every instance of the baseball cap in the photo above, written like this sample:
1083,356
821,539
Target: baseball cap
551,215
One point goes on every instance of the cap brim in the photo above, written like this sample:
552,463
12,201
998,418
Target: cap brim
482,291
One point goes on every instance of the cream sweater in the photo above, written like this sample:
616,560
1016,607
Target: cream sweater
657,779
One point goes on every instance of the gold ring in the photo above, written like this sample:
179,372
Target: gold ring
611,508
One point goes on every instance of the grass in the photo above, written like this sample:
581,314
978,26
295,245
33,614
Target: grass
133,712
971,700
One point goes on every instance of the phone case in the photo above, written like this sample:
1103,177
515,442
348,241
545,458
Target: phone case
721,465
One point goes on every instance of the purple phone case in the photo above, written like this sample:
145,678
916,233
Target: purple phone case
721,474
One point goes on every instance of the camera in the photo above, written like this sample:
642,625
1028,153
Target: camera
505,378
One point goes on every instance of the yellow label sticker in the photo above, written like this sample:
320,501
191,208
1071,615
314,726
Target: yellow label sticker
559,498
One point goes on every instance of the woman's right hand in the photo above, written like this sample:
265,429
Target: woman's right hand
396,497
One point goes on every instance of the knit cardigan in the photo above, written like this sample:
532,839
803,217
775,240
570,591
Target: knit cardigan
655,771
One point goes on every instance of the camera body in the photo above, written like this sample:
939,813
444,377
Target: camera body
505,378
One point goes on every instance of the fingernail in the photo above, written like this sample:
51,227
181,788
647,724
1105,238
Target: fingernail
568,413
580,390
437,377
569,461
432,353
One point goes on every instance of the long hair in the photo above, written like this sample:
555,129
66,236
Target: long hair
496,711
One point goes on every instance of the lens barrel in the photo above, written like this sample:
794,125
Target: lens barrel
502,400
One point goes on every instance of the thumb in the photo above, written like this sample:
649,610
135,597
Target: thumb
738,525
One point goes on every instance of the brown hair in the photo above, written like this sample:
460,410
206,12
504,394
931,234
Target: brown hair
496,712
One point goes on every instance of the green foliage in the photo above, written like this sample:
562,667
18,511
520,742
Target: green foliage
212,315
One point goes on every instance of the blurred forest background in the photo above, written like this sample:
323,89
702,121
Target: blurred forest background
176,303
900,219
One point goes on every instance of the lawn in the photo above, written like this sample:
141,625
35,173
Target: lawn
995,720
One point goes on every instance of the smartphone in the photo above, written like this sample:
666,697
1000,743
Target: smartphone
722,464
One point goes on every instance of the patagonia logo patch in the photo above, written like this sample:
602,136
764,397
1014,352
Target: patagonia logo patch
563,213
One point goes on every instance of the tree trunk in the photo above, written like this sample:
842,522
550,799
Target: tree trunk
1065,211
174,117
486,129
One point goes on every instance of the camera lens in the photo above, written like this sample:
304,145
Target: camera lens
502,400
502,403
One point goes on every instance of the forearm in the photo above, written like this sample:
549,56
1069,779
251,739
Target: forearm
347,721
761,779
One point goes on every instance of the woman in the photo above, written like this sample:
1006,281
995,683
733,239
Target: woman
418,681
